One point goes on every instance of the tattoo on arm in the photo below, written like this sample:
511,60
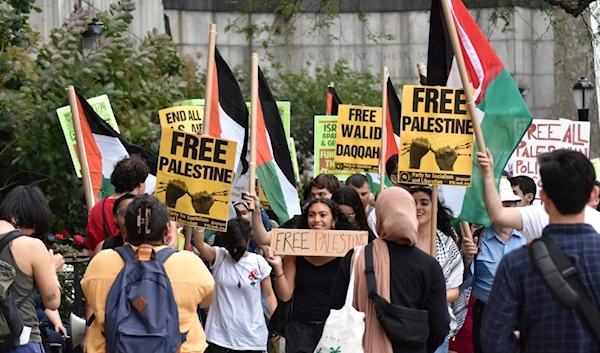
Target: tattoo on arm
50,297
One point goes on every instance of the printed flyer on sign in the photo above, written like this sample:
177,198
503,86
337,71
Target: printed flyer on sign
101,106
436,137
324,147
195,177
185,118
547,136
358,138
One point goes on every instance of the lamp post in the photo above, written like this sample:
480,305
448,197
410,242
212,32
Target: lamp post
582,97
95,29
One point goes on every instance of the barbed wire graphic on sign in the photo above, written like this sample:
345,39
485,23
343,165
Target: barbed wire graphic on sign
174,190
445,157
202,201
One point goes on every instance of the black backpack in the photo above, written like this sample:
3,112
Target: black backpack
11,323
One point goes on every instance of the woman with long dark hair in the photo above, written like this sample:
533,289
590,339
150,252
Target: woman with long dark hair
446,250
147,224
352,206
308,279
235,320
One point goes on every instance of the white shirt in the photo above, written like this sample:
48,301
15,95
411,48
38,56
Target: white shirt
236,307
372,221
535,219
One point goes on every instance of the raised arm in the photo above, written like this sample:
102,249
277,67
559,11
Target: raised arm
207,252
503,216
261,235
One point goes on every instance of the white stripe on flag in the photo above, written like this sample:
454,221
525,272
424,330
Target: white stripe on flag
233,131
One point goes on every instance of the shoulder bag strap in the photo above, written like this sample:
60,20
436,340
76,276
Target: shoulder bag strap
370,271
350,292
126,252
164,254
560,276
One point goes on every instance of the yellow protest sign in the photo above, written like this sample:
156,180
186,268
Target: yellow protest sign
185,118
309,242
358,138
195,177
436,137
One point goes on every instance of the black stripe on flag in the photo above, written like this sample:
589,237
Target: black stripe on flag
394,106
439,53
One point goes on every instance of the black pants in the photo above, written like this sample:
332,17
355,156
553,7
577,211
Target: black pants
213,348
302,337
478,308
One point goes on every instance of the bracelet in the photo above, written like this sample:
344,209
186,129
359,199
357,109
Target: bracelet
281,275
198,231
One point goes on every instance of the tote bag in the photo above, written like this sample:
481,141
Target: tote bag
344,329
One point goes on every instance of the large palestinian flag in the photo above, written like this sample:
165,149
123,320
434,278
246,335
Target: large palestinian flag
392,121
229,114
502,112
104,147
274,165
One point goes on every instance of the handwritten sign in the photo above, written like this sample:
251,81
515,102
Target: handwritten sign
436,137
358,138
195,177
546,136
309,242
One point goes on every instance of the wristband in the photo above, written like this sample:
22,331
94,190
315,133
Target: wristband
281,275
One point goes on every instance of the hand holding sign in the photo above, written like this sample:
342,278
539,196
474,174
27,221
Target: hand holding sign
275,261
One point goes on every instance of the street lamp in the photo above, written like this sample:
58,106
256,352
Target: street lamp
95,29
582,96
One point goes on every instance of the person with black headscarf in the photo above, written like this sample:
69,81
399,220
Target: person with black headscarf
235,320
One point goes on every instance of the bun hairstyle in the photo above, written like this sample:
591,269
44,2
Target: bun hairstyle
145,220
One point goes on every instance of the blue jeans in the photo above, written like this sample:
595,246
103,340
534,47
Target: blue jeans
443,348
31,347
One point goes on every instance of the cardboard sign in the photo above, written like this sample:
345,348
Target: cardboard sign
547,136
101,106
324,147
436,137
195,177
309,242
184,118
358,138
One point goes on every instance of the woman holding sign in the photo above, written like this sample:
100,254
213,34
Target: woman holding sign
447,252
308,279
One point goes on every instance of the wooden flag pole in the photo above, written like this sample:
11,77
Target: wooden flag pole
422,70
464,75
90,199
384,106
253,123
434,211
210,65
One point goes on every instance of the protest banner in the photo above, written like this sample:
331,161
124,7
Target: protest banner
294,157
546,136
101,106
195,177
358,138
324,147
436,137
310,242
186,118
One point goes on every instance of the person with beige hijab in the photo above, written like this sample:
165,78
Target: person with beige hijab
405,275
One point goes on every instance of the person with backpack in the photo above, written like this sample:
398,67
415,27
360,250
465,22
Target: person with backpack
236,322
550,289
399,287
145,295
25,264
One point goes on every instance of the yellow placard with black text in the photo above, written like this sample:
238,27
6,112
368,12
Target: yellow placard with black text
195,178
436,137
184,118
358,138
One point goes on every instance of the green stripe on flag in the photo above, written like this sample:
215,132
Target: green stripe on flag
270,183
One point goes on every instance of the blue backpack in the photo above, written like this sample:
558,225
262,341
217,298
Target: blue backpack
141,312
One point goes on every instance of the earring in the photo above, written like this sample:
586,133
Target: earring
333,226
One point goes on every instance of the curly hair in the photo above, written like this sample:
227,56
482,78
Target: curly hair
129,172
444,218
341,222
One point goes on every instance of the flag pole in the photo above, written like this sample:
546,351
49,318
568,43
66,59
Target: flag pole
90,200
422,70
253,123
462,69
210,70
331,84
384,107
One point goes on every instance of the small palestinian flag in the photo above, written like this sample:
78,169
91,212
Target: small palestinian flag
104,147
229,114
392,121
274,165
333,101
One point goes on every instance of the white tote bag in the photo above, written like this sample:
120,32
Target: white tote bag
344,329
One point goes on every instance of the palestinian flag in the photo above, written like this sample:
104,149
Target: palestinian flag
274,165
229,114
104,147
502,113
333,101
392,121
